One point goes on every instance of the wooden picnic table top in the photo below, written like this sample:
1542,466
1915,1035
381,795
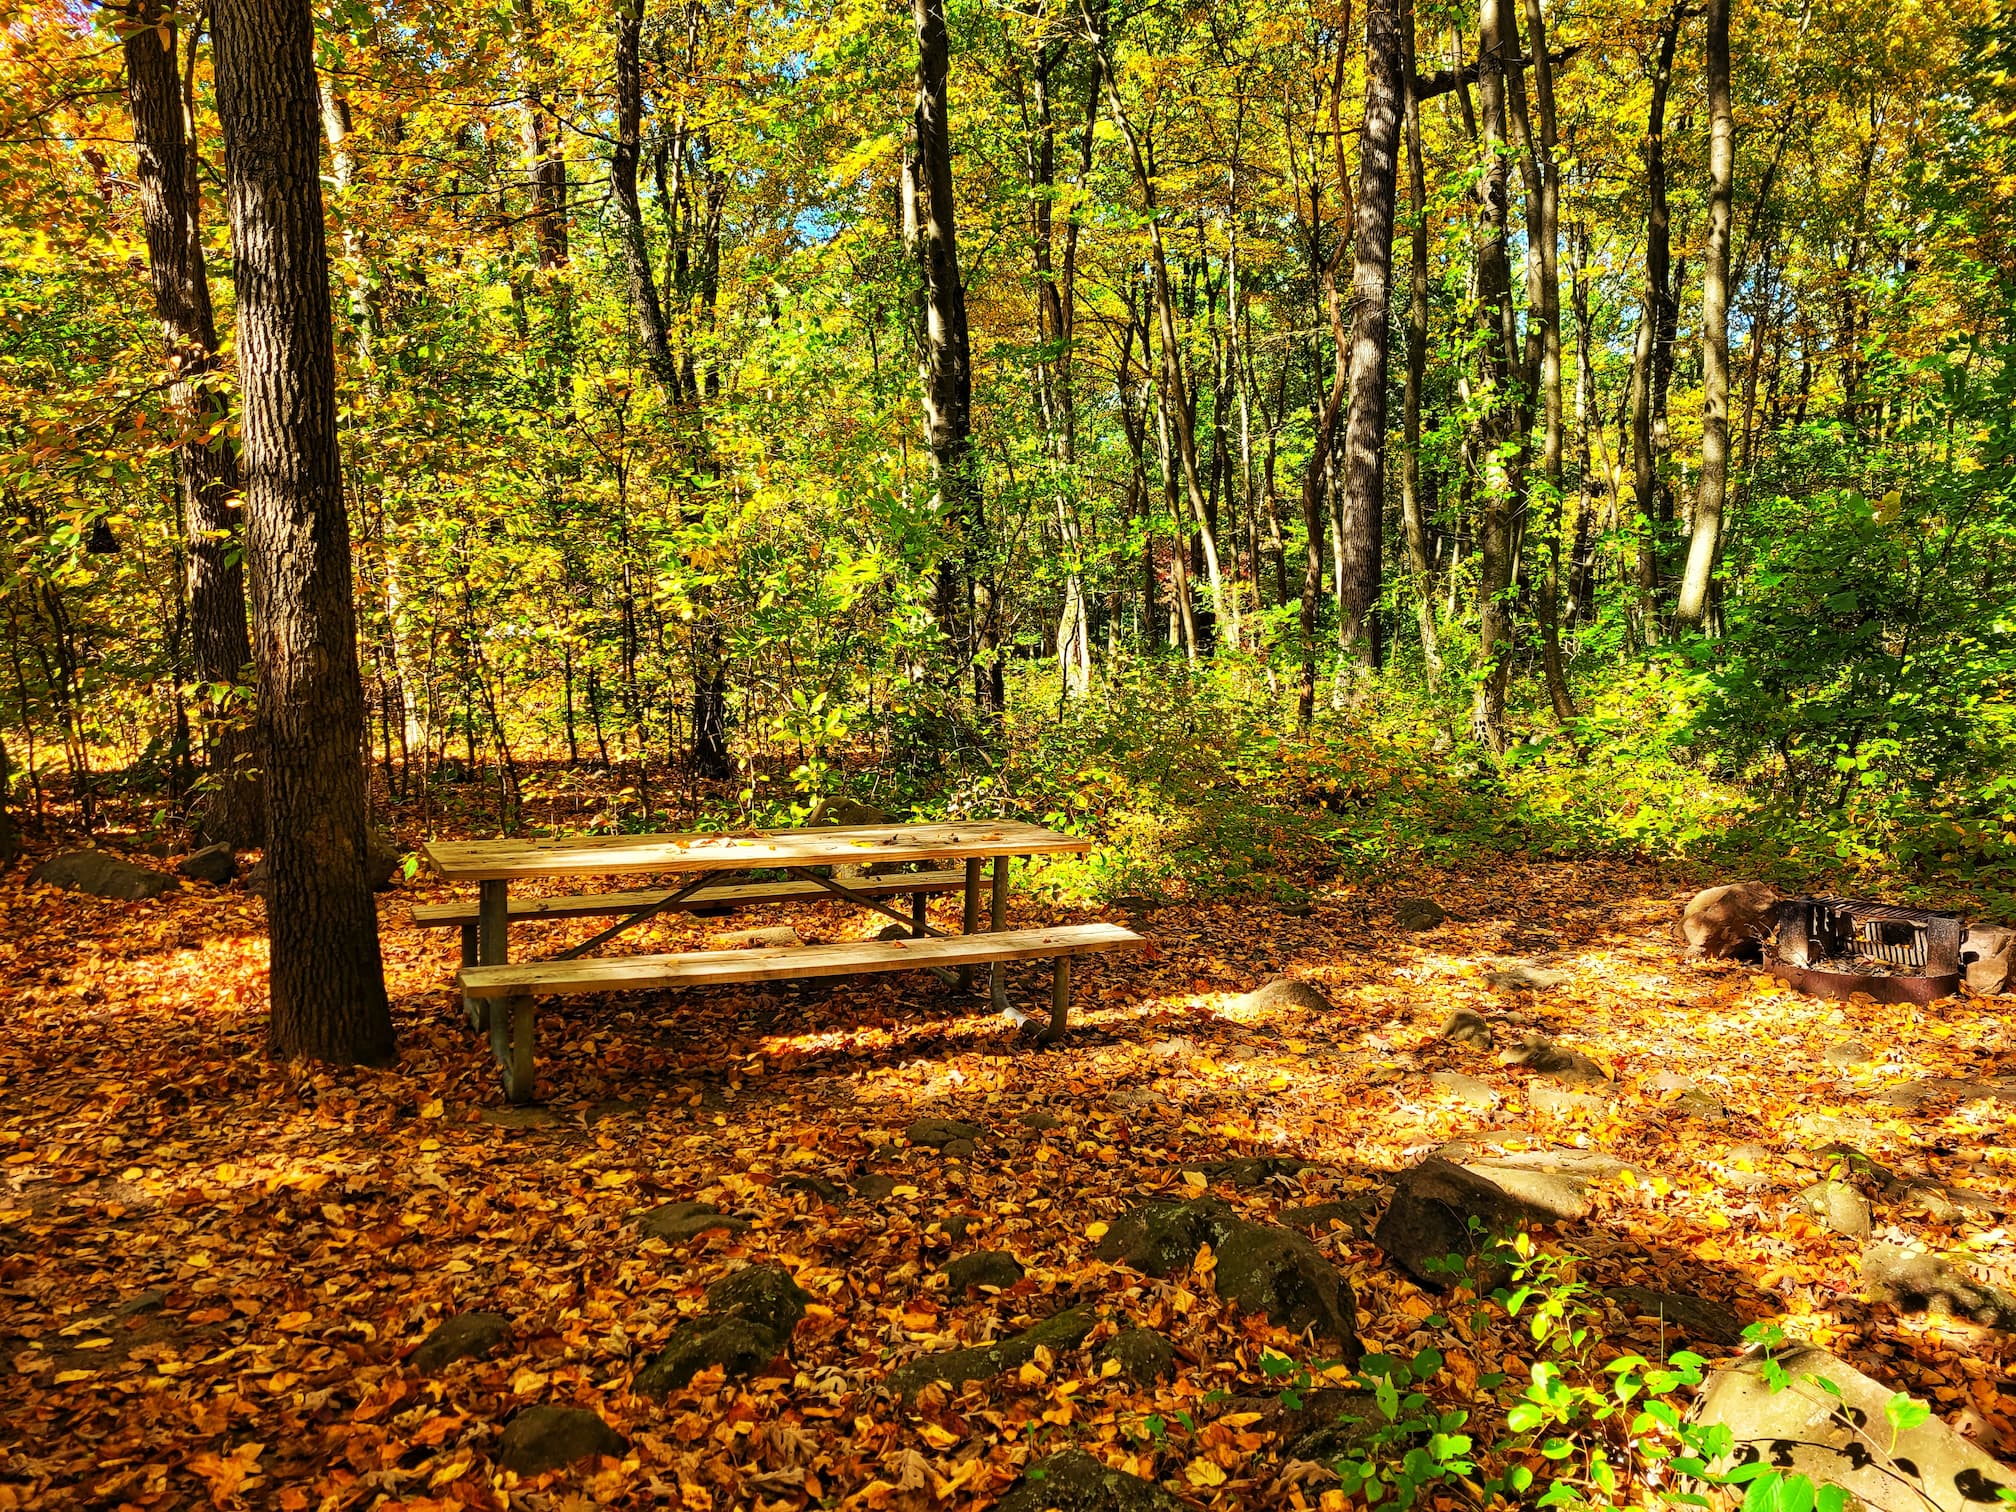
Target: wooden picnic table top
744,850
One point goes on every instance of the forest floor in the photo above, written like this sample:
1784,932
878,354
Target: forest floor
214,1270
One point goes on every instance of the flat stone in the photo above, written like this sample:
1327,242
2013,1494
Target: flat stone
1176,1048
995,1268
1075,1482
1285,993
1065,1331
1553,1195
1836,1206
1545,1097
1526,976
1846,1053
1826,1435
548,1438
467,1336
1915,1282
1467,1090
875,1186
1466,1027
1040,1121
517,1118
1299,908
1417,914
215,864
102,876
1695,1319
1250,1171
1539,1054
1145,1357
829,1192
681,1222
1668,1081
937,1133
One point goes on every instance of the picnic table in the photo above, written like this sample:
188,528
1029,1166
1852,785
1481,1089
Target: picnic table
712,874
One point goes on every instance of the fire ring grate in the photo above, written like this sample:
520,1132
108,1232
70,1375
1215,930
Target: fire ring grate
1832,947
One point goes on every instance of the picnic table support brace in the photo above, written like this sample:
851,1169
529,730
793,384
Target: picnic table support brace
970,920
915,922
998,921
493,938
671,899
511,1042
471,956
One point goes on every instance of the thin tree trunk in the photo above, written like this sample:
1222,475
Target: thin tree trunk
1365,432
1412,516
1652,326
1501,354
1692,608
1547,236
206,465
327,979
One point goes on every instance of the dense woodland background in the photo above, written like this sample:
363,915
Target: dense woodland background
650,528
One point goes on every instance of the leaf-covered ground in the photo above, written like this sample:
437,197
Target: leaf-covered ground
213,1269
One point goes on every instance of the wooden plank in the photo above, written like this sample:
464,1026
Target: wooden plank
836,845
591,905
711,967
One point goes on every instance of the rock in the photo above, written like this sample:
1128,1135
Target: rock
829,1192
1556,1195
1466,1027
960,1149
1178,1047
1065,1331
683,1221
1285,992
1297,908
1417,914
1845,1440
1320,1215
1545,1097
845,811
937,1133
1845,1053
381,860
102,876
1695,1319
1914,1282
875,1186
894,932
1040,1121
1263,1268
778,937
1539,1054
1428,1223
1467,1090
215,864
747,1323
546,1438
1145,1357
1525,976
1250,1171
958,1225
1730,922
467,1336
1334,1423
1075,1482
1988,958
996,1268
258,878
1837,1207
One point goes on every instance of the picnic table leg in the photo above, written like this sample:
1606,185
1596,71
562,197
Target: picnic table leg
511,1042
998,921
471,1006
971,921
493,941
919,916
1060,1001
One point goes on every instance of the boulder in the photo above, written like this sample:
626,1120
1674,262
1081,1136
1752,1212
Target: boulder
681,1222
937,1133
1466,1027
1526,976
102,876
547,1438
1065,1331
1418,914
1075,1482
747,1323
1731,922
836,810
1695,1319
996,1268
1557,1195
1263,1268
1285,992
1539,1054
1837,1207
1427,1229
1988,958
1843,1437
467,1336
1144,1356
1914,1282
215,864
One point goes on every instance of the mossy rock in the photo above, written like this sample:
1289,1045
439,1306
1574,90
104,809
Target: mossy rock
1075,1482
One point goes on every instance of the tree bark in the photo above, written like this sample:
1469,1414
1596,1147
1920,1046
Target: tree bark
1500,356
1365,431
945,363
1653,325
1413,517
206,465
1692,608
1547,237
328,982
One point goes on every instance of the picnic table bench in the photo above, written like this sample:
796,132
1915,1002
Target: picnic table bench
500,995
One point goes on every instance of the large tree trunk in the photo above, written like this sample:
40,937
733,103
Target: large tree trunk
328,983
966,600
1500,357
206,466
1365,431
1654,324
1412,516
1707,536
